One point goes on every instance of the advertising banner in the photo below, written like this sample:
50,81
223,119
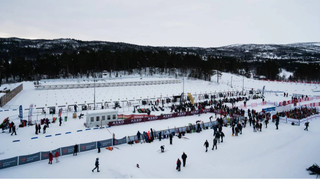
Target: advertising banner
120,141
88,146
106,143
45,155
269,109
29,158
10,162
67,150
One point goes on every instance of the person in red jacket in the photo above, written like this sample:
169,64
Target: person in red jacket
50,158
56,155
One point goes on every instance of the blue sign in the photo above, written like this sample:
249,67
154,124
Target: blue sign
29,158
106,143
269,109
88,146
120,141
11,162
67,150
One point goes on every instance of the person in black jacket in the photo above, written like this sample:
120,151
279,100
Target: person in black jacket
307,125
14,129
178,165
218,136
206,144
75,150
214,143
39,128
277,122
44,128
60,121
36,128
222,135
171,139
138,134
98,146
96,165
184,158
162,148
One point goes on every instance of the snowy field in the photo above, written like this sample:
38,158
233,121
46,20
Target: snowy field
270,153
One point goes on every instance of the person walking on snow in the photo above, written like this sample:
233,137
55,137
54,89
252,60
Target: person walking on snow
178,165
184,158
50,158
39,128
222,136
171,139
266,122
277,122
206,144
307,125
138,135
162,148
214,143
60,121
96,165
98,146
44,128
14,129
218,136
75,150
36,128
56,155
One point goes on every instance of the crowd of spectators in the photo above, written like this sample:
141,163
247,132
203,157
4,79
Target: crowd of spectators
300,113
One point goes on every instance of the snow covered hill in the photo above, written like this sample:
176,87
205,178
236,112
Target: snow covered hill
30,48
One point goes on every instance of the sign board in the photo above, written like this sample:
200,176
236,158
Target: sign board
88,146
120,141
106,143
269,109
29,158
11,162
67,150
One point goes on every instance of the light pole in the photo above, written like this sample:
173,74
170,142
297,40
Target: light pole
231,81
243,83
94,94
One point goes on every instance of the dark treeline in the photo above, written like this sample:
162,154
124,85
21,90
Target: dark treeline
192,65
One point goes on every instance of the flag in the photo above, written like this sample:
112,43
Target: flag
60,112
263,90
20,113
30,113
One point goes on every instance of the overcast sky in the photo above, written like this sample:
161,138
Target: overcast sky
203,23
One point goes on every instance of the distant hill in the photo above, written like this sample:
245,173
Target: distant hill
17,47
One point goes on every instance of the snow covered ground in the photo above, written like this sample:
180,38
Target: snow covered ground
270,153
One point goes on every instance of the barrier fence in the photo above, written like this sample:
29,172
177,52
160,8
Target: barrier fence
298,121
295,101
43,155
303,82
25,159
106,84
